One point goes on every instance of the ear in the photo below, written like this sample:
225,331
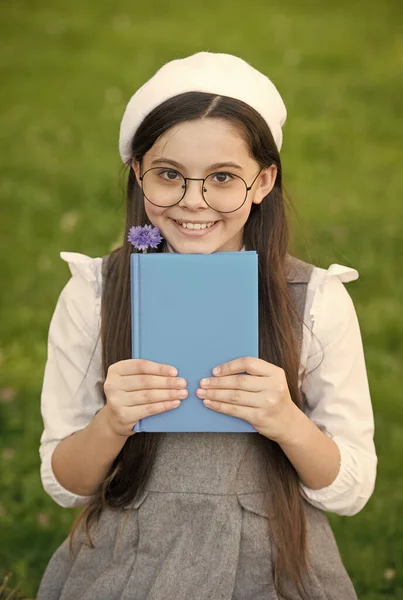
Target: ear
135,165
265,183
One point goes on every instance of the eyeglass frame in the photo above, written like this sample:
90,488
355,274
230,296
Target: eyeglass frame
203,179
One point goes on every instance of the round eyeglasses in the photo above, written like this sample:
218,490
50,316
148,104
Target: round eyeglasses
223,192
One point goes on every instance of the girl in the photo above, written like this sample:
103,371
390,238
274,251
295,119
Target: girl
206,515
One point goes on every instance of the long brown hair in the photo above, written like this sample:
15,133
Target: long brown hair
266,231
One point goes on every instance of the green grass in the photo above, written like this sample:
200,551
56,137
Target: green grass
67,71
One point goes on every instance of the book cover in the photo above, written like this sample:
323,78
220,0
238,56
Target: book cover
194,312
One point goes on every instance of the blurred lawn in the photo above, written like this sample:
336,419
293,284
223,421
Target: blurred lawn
67,71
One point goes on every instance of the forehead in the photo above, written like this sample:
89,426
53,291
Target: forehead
202,141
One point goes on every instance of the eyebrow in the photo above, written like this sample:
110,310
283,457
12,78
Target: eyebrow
218,165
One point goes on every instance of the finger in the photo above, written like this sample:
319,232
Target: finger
238,397
248,383
130,415
247,364
234,410
134,366
135,383
147,410
151,397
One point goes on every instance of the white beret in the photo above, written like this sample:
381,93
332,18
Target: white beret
222,74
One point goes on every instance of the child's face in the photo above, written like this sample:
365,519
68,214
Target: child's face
196,146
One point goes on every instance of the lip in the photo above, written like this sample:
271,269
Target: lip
195,232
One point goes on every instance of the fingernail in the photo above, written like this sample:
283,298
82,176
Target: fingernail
205,382
216,370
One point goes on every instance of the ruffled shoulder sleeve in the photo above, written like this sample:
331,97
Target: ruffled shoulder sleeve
328,305
86,268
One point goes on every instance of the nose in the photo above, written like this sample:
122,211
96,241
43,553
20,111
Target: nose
193,198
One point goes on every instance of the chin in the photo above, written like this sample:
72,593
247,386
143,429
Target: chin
186,248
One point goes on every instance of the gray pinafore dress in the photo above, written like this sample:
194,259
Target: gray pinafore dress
199,531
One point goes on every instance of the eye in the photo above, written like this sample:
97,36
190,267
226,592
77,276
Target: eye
222,177
169,174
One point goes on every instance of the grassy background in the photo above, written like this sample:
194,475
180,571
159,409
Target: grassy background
67,71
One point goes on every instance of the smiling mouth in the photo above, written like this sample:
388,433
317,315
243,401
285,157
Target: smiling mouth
195,226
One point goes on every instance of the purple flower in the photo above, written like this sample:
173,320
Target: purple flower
144,237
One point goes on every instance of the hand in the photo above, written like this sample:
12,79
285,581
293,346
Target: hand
261,396
136,389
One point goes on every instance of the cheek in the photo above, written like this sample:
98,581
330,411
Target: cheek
242,215
153,212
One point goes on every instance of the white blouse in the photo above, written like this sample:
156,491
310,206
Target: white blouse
337,392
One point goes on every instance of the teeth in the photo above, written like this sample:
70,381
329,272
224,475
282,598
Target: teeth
195,225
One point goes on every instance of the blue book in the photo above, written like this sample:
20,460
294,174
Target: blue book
194,312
